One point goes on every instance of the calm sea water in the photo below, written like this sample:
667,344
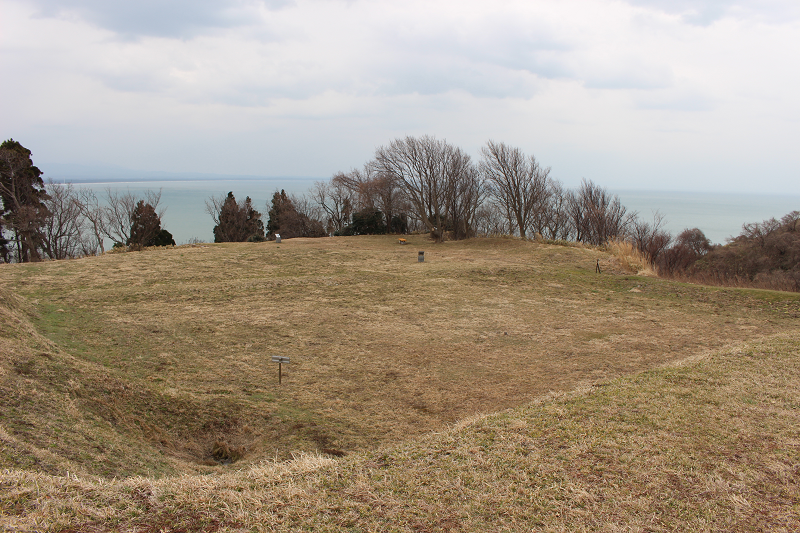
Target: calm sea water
185,201
719,216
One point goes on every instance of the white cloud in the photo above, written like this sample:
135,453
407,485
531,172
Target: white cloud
706,12
312,86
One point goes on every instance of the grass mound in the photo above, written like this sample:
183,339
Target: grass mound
61,413
157,364
708,445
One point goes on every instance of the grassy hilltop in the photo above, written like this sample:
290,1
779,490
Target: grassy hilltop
622,402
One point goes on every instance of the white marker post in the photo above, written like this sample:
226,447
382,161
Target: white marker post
281,361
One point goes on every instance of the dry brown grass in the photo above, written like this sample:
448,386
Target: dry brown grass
630,257
173,347
712,444
149,363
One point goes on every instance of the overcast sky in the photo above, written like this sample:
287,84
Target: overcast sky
638,94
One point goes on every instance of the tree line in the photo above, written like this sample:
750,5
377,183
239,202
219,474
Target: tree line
426,184
423,184
41,220
412,184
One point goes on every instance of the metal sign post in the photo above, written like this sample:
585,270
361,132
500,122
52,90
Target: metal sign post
281,361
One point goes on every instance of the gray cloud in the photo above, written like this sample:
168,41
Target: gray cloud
264,83
701,12
499,43
451,74
156,18
630,75
705,12
680,100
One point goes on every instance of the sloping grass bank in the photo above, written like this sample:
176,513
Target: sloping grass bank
158,363
710,444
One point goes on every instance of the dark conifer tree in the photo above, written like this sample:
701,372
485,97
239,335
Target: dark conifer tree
279,214
146,225
286,220
146,228
164,238
252,221
238,221
23,194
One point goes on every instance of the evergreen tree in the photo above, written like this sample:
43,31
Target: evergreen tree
164,238
23,194
280,216
229,228
286,220
252,221
237,221
145,225
146,228
366,222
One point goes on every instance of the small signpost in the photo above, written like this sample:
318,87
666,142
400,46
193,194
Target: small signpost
281,361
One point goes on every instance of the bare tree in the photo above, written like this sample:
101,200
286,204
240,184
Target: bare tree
310,216
555,222
356,185
64,234
94,214
490,221
368,189
427,169
791,221
519,185
596,215
118,213
335,198
466,193
650,239
690,245
308,208
379,190
759,232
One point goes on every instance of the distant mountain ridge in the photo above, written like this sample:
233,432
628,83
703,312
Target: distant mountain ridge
75,173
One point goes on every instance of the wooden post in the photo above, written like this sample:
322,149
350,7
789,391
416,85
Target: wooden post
280,360
597,267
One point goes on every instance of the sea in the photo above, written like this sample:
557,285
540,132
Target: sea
719,215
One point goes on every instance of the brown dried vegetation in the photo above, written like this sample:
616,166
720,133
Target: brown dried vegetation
159,363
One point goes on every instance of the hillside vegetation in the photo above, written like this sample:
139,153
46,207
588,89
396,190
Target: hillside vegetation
765,255
158,363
